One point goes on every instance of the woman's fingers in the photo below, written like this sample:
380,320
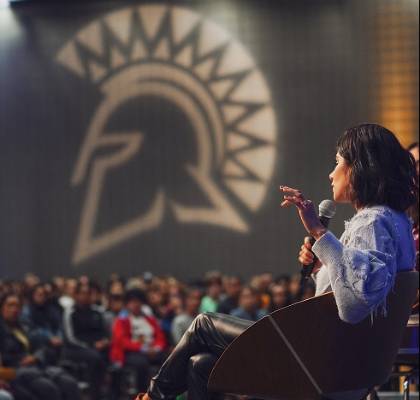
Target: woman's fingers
292,191
306,253
286,203
306,256
297,201
305,260
292,196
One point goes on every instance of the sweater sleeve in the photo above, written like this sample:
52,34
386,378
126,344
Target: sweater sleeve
361,272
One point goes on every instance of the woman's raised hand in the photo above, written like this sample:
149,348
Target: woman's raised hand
306,211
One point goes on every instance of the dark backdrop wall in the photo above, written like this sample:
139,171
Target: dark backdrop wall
153,136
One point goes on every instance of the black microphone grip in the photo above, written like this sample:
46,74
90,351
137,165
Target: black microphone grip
306,270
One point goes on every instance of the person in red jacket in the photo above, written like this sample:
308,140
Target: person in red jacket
137,339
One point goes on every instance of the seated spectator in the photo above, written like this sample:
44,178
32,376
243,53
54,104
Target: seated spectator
176,297
30,280
158,297
233,287
249,305
35,379
43,322
294,288
262,284
115,304
67,298
184,320
157,301
279,297
137,339
97,295
211,300
53,293
309,290
86,337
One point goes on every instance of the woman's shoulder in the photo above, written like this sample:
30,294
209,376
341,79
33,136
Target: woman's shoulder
378,218
369,215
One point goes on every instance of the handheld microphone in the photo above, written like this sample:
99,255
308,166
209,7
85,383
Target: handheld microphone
327,211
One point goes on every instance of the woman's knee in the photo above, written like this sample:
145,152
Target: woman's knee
200,321
202,364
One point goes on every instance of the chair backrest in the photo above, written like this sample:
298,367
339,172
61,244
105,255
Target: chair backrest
305,351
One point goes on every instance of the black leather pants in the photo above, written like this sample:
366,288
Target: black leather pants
189,365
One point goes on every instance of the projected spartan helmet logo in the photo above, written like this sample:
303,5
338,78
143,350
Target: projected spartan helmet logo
172,53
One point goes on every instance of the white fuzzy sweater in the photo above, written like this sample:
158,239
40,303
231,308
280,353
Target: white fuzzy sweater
360,268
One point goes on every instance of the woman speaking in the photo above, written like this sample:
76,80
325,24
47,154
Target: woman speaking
378,177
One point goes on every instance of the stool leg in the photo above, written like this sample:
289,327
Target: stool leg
407,388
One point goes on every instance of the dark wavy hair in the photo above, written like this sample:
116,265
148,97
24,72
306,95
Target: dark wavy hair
382,171
135,294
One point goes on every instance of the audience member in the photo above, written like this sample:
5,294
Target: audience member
137,340
249,305
294,288
115,304
35,378
279,297
66,300
87,339
191,309
233,287
43,322
211,300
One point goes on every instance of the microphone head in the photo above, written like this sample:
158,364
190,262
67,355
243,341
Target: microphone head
327,209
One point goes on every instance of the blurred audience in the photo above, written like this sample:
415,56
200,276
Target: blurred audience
102,333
